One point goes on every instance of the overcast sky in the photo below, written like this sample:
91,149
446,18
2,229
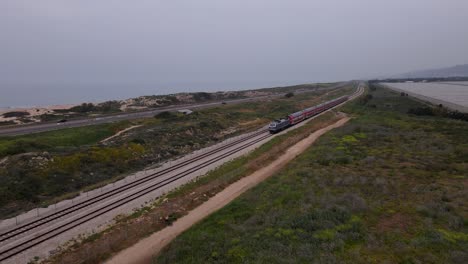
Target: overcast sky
64,51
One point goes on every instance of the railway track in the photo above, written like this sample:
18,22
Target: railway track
37,239
46,219
41,237
84,211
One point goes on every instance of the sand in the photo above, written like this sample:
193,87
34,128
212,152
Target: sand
119,133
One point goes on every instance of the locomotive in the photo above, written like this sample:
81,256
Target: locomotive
294,118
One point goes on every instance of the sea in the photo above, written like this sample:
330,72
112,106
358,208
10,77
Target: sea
46,95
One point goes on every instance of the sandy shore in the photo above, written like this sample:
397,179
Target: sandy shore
33,111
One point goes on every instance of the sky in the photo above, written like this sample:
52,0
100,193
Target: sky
69,51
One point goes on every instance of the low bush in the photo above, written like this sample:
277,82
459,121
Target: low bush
15,114
379,189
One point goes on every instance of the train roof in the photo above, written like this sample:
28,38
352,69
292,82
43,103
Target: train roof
327,102
296,114
299,113
283,119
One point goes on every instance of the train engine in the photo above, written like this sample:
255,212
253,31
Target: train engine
278,125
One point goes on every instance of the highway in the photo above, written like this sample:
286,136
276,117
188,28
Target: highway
49,126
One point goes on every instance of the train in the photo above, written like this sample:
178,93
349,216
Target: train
297,117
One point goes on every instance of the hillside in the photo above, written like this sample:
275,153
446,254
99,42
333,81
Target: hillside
455,71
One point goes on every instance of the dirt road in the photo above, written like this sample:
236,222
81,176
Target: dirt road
145,250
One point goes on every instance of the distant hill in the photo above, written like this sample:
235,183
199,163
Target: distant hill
455,71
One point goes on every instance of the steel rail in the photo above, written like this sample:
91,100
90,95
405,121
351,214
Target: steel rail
146,190
38,222
120,202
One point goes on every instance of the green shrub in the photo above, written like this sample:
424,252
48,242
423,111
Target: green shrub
15,114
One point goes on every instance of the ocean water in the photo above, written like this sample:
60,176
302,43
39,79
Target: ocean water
23,96
453,92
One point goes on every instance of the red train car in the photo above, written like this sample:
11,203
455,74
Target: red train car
309,112
295,118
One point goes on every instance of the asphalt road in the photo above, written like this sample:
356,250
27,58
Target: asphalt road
49,126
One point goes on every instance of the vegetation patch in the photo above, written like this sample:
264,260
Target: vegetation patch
44,168
164,211
388,187
15,114
7,123
438,111
55,140
106,107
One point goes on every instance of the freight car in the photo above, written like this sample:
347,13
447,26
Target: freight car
294,118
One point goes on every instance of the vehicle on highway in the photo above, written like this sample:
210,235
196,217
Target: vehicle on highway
294,118
61,121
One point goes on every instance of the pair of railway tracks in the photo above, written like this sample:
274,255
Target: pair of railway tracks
17,248
9,250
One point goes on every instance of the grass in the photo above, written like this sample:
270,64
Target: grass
43,168
161,213
54,140
388,187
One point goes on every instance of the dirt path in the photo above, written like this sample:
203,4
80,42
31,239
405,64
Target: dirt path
147,248
119,133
